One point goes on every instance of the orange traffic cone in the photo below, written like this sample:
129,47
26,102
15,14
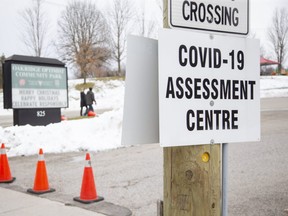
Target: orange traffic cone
88,190
63,118
91,114
5,174
41,184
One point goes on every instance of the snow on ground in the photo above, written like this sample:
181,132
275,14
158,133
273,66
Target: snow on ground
90,134
108,94
273,86
93,134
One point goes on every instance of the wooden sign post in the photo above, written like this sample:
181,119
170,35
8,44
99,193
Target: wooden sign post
192,181
192,175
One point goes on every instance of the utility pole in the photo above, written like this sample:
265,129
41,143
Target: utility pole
192,175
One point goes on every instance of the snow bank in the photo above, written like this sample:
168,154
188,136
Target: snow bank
273,86
93,134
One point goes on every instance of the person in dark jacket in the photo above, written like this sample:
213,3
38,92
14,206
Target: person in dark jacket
90,98
83,103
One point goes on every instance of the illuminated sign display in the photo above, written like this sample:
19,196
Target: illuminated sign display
36,86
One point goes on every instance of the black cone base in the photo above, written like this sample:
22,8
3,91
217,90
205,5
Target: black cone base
40,192
8,181
99,198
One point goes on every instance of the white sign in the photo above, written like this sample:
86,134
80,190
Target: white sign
208,89
227,16
35,86
141,106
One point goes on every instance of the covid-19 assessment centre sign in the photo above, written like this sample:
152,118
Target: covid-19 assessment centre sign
208,88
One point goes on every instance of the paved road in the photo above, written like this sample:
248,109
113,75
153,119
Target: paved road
258,172
6,120
132,177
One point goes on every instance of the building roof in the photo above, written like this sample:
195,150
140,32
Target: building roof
33,59
264,61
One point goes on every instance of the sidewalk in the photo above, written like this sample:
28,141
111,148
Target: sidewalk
13,203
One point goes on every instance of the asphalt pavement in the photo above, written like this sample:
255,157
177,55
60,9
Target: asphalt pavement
14,203
131,179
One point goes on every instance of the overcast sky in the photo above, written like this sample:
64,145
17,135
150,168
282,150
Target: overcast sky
12,25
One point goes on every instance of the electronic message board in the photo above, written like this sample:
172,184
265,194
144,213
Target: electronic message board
35,86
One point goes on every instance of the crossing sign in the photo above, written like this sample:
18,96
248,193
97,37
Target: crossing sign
209,15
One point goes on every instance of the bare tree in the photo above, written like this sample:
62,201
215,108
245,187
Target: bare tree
278,35
160,15
83,32
160,4
100,55
121,15
146,26
35,28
